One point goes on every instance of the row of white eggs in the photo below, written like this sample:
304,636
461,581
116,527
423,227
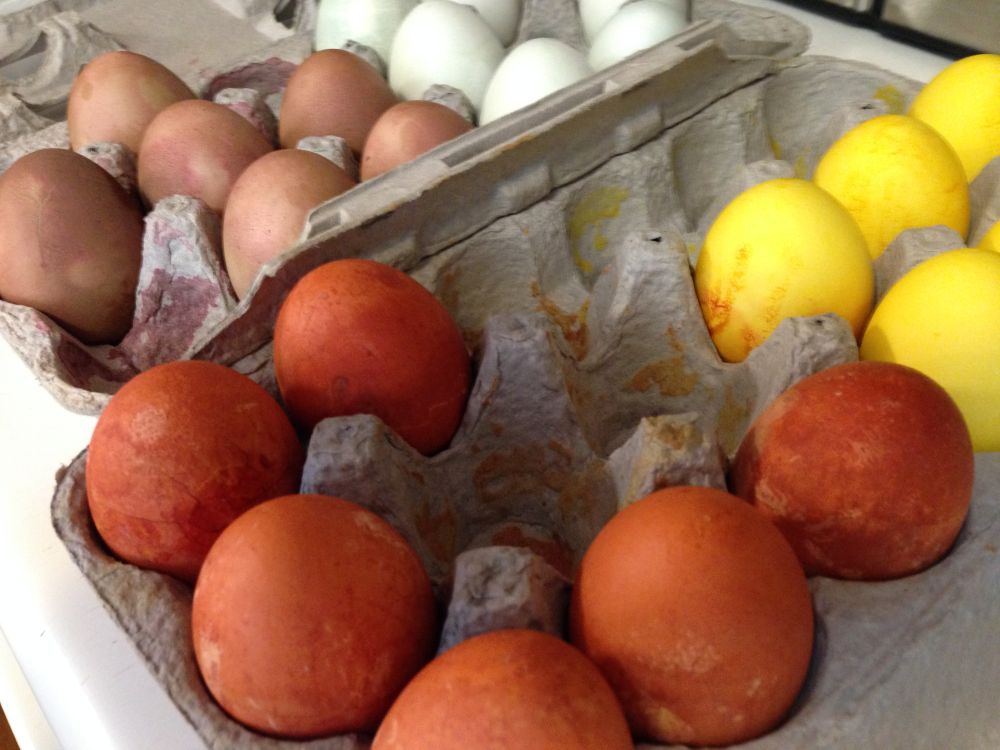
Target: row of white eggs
465,44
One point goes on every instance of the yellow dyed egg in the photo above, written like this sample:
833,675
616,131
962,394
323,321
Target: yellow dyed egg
962,103
991,240
783,248
892,173
943,318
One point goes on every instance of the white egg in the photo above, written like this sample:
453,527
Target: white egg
370,22
595,13
501,15
637,26
531,71
444,42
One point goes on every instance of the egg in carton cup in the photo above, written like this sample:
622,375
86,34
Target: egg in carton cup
184,305
596,382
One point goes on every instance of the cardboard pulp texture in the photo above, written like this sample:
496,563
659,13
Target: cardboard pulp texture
218,47
596,382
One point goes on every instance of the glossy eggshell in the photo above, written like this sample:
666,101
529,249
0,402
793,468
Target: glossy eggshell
360,337
406,130
333,92
197,148
115,97
70,243
865,467
506,689
268,206
309,616
697,611
178,453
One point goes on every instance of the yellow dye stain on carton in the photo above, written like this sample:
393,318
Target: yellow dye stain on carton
595,208
892,97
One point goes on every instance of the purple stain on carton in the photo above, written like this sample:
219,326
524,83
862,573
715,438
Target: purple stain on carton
183,289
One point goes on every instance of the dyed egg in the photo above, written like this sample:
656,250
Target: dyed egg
695,608
962,103
180,451
892,173
866,468
360,337
310,615
943,319
506,689
782,248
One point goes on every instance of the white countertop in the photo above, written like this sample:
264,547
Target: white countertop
68,676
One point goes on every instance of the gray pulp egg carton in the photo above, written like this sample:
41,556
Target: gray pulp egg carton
565,258
185,307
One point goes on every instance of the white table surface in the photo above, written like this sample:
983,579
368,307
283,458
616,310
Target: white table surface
68,676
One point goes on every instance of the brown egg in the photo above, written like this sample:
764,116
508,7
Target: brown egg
70,243
268,205
115,97
197,148
179,452
310,614
333,92
406,130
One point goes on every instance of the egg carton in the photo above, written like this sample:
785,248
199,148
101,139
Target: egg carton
596,382
433,201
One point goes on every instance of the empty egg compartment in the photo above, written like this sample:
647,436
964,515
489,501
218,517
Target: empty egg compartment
596,382
184,304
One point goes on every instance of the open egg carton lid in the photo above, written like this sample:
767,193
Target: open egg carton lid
184,305
597,382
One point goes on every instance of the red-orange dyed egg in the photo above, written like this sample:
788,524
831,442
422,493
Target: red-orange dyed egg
197,148
405,131
178,453
866,468
333,92
360,337
697,611
309,616
503,690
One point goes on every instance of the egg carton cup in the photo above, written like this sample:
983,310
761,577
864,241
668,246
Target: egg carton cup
433,201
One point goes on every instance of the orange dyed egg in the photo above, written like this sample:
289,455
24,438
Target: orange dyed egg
502,690
309,616
178,453
697,611
360,337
